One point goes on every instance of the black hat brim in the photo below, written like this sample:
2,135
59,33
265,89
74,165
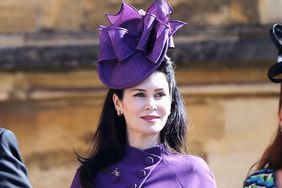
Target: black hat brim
274,73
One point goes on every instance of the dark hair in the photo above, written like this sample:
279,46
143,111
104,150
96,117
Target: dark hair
110,138
271,157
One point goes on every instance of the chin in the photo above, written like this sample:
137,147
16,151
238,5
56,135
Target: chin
155,129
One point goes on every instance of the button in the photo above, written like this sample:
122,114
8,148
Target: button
134,185
142,173
149,160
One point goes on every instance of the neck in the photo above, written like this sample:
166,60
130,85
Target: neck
144,142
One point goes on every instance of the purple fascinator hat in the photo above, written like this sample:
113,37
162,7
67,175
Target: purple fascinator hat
135,43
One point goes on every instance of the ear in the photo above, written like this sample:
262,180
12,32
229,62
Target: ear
117,102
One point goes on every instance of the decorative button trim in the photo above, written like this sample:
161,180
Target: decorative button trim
134,185
149,160
142,173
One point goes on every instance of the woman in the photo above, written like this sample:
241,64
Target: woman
141,132
268,171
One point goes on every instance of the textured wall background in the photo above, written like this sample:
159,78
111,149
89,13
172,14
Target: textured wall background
77,15
50,95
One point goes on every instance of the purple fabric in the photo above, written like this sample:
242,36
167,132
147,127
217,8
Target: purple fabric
75,182
134,39
154,168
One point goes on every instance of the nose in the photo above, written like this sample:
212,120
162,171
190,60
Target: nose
151,104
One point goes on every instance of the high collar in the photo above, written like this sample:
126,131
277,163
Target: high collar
155,150
133,156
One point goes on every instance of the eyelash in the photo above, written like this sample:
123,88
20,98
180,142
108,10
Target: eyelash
161,94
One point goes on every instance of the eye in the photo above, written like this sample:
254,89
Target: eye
160,94
139,95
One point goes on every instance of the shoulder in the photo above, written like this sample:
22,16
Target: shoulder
5,133
196,163
190,162
9,148
2,130
12,169
261,177
8,140
192,167
198,166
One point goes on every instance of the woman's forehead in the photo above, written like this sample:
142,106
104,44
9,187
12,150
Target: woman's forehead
155,81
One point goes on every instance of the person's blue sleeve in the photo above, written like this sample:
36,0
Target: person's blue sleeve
12,170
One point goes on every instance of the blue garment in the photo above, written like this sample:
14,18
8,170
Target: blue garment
154,168
261,178
12,170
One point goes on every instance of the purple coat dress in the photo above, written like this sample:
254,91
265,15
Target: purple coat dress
154,168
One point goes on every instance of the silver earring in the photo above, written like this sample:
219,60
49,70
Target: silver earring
119,113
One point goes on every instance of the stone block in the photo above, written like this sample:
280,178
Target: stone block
17,16
79,15
270,11
60,15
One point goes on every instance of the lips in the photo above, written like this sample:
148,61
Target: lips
150,117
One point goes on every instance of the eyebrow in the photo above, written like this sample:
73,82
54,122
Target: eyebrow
143,90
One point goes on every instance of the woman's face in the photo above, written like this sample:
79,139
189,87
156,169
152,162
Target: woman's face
146,106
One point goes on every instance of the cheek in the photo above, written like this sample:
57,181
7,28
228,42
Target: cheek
166,107
133,107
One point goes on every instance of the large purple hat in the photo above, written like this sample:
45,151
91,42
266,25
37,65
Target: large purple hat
135,43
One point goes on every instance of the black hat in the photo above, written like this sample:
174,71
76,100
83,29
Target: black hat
274,72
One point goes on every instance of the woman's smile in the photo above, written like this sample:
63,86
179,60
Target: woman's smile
150,118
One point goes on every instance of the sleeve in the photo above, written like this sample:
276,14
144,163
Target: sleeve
200,174
260,178
12,170
75,182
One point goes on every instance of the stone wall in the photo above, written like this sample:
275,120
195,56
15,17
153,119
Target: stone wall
78,15
54,114
17,16
200,48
